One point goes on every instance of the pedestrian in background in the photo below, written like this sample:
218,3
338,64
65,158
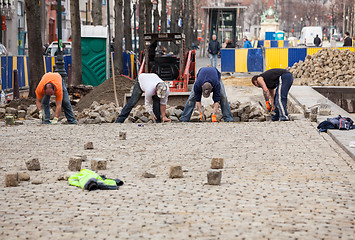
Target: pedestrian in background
213,50
317,41
247,43
347,40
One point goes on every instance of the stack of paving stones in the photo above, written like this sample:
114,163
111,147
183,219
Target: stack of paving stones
327,67
295,186
99,112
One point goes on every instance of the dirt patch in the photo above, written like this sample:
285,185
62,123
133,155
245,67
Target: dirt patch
22,101
105,92
237,81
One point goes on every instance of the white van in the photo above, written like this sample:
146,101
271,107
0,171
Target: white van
308,34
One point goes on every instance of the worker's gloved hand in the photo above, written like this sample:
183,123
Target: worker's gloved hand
214,118
54,121
202,116
41,115
268,106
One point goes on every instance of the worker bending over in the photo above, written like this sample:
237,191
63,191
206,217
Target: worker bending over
53,84
156,97
276,84
208,80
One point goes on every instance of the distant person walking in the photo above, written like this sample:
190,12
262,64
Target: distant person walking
213,50
347,40
317,41
247,43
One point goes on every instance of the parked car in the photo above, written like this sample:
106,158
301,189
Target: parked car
3,50
52,49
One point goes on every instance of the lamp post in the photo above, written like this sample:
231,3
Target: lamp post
316,19
60,60
86,12
301,26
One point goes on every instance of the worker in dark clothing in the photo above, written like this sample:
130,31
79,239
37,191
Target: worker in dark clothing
276,84
347,40
213,50
208,80
317,41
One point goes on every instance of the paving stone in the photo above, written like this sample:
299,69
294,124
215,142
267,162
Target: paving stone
214,177
148,175
23,176
89,145
217,163
37,181
75,164
122,135
98,164
11,180
21,114
176,172
33,164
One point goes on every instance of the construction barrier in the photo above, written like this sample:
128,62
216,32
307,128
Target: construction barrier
9,63
261,59
270,43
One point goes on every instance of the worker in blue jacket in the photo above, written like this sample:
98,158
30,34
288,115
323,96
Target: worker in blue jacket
208,80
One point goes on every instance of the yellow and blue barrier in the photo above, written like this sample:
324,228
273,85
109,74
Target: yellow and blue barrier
271,43
9,63
261,59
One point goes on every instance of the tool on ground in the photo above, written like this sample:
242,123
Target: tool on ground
268,106
202,116
214,118
42,115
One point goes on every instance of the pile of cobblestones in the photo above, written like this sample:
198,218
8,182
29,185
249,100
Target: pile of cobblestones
327,67
107,113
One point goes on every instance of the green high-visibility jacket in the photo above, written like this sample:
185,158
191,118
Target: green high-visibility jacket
89,180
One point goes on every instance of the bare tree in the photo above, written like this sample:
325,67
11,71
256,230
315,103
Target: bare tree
35,51
76,43
164,26
127,25
118,62
148,16
97,12
141,25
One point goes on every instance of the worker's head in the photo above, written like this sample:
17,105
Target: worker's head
206,89
227,40
254,80
162,89
245,39
214,37
347,34
317,35
49,89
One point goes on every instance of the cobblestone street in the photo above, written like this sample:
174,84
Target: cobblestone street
280,180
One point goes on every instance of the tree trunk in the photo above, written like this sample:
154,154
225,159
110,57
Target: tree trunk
97,12
164,25
148,16
127,25
174,16
141,25
35,51
156,18
76,78
118,63
185,24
